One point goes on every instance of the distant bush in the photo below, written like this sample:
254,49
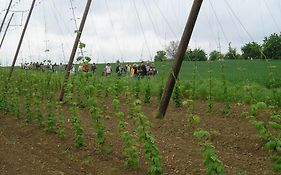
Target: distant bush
195,55
272,46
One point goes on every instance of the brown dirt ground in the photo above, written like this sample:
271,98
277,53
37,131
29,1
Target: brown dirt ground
27,149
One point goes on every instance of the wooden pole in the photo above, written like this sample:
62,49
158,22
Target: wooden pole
21,38
179,58
8,9
74,49
6,30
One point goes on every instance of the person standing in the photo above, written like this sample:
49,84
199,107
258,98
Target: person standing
143,69
119,70
132,71
94,67
86,67
108,69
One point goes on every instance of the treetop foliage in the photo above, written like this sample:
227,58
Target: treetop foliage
269,49
272,46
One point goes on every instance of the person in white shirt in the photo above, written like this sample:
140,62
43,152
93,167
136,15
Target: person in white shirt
108,69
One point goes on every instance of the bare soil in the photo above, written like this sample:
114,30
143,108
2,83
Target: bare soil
27,149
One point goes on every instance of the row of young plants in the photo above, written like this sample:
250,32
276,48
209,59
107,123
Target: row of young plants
217,86
40,107
269,131
31,101
211,160
211,89
97,92
177,97
37,96
129,143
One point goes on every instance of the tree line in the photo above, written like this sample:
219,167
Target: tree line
269,49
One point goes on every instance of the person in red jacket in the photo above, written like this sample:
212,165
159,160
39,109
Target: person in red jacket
86,67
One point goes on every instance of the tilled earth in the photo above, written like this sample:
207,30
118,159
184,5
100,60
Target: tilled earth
26,149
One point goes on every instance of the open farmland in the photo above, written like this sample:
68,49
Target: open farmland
224,118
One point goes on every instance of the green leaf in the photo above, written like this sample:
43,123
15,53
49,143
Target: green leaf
82,45
196,118
261,105
259,125
277,167
271,145
274,125
79,58
88,59
201,133
275,118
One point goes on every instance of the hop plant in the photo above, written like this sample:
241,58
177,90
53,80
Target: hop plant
28,110
177,96
76,123
137,90
210,95
147,94
50,123
98,125
160,91
145,137
211,160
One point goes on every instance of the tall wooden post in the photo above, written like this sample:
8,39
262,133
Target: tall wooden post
179,58
6,30
8,9
21,38
74,49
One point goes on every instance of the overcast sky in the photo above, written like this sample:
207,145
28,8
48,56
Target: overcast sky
133,30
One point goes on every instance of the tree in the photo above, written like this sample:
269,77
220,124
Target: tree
172,49
216,55
272,46
232,54
195,55
160,56
251,50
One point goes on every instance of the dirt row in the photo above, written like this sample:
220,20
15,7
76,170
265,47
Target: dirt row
28,149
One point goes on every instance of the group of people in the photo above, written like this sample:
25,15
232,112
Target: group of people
134,70
141,70
43,66
131,70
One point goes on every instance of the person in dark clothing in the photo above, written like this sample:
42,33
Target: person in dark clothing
143,70
94,67
119,70
139,70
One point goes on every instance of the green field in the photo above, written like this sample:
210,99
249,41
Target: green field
238,71
246,80
235,71
123,109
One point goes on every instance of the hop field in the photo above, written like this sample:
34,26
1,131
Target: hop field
223,118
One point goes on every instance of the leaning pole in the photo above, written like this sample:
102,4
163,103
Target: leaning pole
74,49
165,99
21,38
